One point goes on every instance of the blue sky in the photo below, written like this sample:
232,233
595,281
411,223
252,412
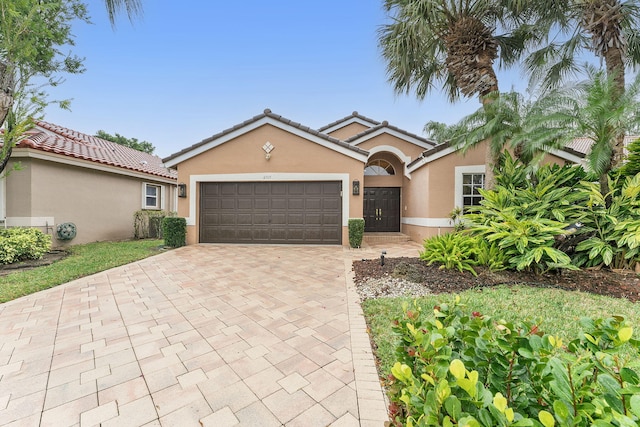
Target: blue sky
183,73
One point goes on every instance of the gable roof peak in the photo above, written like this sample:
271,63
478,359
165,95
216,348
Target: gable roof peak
269,117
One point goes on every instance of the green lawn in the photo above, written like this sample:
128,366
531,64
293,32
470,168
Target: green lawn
82,261
553,310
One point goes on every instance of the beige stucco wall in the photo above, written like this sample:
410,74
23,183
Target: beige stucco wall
100,204
430,197
385,139
348,131
239,159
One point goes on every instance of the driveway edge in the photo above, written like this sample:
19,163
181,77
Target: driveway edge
372,405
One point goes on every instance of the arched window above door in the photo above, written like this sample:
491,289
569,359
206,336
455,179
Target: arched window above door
379,167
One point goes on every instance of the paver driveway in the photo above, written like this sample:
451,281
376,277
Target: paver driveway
212,335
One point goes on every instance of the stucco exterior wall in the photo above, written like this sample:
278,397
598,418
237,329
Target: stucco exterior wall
431,196
243,159
101,204
386,140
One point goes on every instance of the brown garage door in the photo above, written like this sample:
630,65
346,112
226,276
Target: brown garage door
271,212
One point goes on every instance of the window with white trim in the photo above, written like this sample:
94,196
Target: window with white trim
152,195
468,181
471,183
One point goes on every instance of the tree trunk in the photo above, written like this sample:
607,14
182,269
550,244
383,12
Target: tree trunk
7,82
489,160
615,70
7,87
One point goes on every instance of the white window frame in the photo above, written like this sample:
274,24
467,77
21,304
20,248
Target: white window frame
159,197
460,171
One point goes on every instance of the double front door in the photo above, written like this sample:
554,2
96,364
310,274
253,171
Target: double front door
381,209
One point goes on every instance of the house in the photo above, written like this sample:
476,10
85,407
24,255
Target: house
272,180
86,185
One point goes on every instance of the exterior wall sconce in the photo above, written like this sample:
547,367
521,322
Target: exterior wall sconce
356,187
182,190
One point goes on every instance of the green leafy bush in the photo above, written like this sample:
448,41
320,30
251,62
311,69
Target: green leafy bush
451,250
18,244
463,251
527,211
148,223
459,369
614,229
356,231
175,231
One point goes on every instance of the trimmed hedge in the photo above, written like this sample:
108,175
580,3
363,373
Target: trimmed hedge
175,231
356,231
18,244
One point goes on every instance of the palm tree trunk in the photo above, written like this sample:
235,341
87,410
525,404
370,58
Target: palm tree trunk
490,160
615,69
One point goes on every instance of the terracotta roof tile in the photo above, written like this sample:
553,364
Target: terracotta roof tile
267,113
583,145
52,138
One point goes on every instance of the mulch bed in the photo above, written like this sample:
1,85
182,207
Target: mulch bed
618,284
48,258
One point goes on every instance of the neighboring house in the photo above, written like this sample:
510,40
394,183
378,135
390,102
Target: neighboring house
66,176
272,180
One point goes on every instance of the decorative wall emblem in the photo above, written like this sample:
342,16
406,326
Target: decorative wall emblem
268,148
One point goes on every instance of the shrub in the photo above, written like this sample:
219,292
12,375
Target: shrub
356,231
614,230
460,369
148,223
451,250
175,231
463,251
18,244
525,212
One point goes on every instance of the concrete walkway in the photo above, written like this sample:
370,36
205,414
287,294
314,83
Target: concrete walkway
205,335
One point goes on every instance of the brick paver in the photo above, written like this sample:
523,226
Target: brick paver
212,335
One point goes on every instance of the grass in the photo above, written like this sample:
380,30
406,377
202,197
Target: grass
555,311
83,260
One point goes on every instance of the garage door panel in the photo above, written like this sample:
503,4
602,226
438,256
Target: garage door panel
261,219
271,212
227,189
275,188
295,218
262,204
314,204
278,219
227,204
244,219
279,203
244,203
313,219
227,219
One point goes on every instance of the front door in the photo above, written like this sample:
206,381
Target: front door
381,209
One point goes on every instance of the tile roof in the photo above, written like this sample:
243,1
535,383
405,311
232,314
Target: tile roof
347,118
386,124
583,145
52,138
267,113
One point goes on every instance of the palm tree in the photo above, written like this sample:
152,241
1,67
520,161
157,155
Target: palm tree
454,44
497,122
594,109
608,28
133,8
